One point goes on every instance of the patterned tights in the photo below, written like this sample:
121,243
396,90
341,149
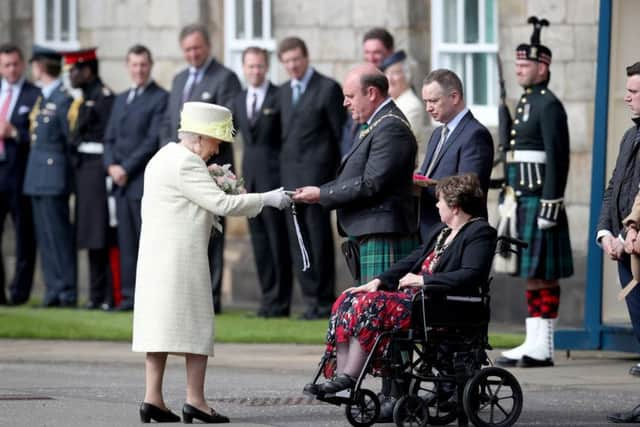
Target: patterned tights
544,302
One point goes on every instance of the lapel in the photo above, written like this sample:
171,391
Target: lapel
202,90
18,103
266,102
451,139
386,109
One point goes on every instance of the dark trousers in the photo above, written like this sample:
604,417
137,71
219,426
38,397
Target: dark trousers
216,265
99,275
129,225
633,299
273,261
19,207
56,243
317,283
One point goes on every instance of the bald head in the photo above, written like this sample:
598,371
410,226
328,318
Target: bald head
365,88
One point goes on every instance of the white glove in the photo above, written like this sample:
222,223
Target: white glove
276,199
544,224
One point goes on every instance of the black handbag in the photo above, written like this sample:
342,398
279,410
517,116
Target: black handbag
351,251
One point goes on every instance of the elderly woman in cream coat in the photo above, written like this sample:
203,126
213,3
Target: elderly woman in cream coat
173,308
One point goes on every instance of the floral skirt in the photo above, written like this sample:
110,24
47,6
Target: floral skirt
366,315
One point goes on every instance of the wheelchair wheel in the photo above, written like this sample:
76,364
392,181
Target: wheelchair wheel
440,411
411,411
364,410
493,398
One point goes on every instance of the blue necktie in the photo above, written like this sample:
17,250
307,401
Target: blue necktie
297,91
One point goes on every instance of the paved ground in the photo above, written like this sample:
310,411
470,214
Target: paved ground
58,383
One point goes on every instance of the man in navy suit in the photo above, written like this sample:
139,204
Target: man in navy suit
461,145
204,80
17,97
130,141
257,115
312,121
48,180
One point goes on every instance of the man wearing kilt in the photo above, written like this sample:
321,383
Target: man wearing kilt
538,165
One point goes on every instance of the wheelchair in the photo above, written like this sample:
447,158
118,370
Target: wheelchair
440,364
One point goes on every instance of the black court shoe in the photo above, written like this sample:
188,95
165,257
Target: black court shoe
150,412
339,383
190,412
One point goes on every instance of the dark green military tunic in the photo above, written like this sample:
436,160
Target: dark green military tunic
538,167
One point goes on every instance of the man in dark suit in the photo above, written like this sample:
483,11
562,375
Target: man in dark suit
461,145
204,80
17,97
312,120
88,119
618,200
257,114
130,141
48,180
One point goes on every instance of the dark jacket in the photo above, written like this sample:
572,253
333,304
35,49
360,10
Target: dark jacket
92,115
610,214
373,191
219,85
12,170
262,142
464,265
311,132
49,166
133,135
469,148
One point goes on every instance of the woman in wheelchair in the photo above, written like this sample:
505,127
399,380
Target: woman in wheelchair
457,254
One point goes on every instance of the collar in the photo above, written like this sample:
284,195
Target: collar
201,69
380,107
536,87
453,123
262,89
50,88
636,121
142,87
16,86
304,81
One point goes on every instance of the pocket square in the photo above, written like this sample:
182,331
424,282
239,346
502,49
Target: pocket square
206,95
24,109
268,111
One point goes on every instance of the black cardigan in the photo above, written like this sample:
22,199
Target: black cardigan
464,265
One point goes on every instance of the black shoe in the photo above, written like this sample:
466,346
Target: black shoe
310,314
530,362
68,304
190,412
312,389
150,412
92,305
635,370
50,303
505,362
339,383
632,416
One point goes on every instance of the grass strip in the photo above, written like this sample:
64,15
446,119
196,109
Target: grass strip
233,326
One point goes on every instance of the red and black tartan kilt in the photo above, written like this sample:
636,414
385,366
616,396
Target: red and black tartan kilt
548,256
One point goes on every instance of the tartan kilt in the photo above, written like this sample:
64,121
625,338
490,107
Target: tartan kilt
548,256
378,252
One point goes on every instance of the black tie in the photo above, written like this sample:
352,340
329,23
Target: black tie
254,114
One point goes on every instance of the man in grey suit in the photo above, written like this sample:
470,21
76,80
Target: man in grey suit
130,141
204,80
461,145
312,119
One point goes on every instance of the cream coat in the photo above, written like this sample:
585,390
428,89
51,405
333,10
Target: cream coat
173,308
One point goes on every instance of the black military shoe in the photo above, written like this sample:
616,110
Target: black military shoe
530,362
505,362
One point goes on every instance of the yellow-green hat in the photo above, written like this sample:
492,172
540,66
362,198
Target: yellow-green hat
207,119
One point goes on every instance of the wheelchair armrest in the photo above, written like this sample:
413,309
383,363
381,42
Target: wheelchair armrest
436,289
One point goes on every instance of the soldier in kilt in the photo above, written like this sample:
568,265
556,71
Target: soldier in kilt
538,165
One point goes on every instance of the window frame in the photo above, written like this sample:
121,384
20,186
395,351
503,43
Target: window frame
40,23
233,46
487,114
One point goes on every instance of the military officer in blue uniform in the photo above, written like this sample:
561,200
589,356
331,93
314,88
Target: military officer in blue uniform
88,118
538,165
48,180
